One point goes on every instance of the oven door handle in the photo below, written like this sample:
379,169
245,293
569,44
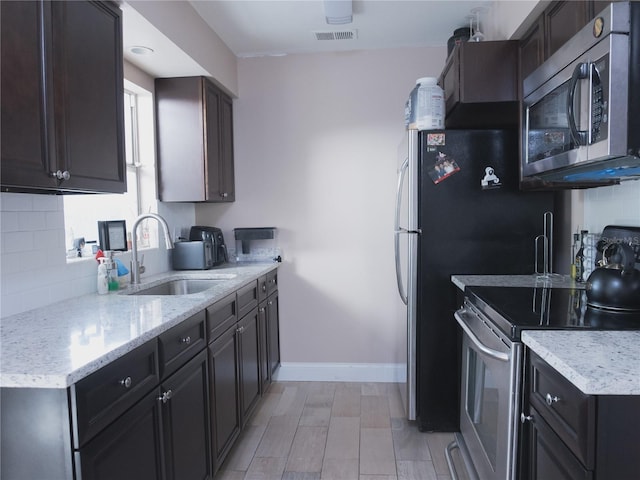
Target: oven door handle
504,357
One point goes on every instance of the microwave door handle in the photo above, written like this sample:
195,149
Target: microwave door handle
579,73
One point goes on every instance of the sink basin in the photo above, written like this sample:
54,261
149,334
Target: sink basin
180,287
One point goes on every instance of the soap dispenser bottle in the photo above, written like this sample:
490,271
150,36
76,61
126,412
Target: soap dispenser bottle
103,277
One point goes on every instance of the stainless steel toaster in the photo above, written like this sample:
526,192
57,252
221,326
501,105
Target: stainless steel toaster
193,255
213,235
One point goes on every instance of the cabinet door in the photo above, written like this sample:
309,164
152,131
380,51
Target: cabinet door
549,458
25,140
265,371
212,108
227,181
249,364
562,21
88,93
185,419
273,331
129,449
223,388
532,49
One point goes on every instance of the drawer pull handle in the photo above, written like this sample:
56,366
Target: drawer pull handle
126,382
186,340
525,418
264,287
166,396
551,399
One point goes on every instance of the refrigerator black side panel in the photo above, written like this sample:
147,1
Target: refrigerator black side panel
465,230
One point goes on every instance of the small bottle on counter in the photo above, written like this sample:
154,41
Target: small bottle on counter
579,258
103,277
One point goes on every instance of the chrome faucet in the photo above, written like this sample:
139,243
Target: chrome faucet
135,266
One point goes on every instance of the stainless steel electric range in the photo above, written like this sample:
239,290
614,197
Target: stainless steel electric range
492,319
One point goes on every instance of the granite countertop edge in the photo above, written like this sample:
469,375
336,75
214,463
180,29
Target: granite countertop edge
596,362
534,280
60,344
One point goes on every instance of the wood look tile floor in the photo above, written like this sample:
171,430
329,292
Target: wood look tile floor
337,431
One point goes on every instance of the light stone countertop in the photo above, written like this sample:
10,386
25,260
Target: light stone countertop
555,280
597,362
58,345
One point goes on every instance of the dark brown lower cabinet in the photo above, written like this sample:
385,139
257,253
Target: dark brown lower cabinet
248,340
224,398
129,449
164,436
185,421
171,409
550,458
273,331
269,332
573,436
235,383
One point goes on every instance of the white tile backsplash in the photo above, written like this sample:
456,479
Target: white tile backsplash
33,267
615,205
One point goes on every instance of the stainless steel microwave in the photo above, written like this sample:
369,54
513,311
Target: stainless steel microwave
581,107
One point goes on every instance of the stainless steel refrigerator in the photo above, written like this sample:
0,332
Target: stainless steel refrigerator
459,210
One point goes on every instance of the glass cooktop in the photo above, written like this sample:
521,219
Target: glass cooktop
514,309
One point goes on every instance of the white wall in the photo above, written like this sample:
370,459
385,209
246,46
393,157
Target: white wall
316,140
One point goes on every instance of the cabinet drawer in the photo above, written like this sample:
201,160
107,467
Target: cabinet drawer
267,284
272,282
221,315
181,343
569,412
101,397
247,298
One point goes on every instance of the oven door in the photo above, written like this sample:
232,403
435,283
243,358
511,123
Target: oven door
490,394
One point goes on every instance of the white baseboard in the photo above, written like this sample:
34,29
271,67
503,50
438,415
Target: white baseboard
341,372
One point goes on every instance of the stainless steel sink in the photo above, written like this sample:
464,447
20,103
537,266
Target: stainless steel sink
180,287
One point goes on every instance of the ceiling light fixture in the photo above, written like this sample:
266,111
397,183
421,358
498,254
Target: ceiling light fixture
338,12
141,50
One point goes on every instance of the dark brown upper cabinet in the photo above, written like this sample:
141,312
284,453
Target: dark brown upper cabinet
194,123
560,21
480,83
62,97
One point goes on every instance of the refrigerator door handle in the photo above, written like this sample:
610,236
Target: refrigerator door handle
398,230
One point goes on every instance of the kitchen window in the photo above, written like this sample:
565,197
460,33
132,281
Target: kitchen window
82,212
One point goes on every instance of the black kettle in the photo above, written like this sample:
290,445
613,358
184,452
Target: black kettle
616,284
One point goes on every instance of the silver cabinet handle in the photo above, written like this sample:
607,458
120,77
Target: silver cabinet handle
270,302
240,329
166,396
126,382
525,418
60,175
264,287
262,309
224,195
186,340
551,399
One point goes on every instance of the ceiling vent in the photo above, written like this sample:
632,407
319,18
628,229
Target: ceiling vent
338,35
